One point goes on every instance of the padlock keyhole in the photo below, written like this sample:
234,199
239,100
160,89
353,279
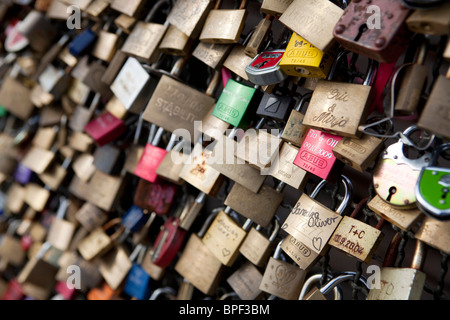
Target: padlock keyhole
363,28
392,191
444,192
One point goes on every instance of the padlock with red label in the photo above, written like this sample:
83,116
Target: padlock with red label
316,155
105,128
168,243
264,68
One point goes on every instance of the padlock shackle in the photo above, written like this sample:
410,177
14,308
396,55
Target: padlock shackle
303,99
371,73
213,84
314,279
158,135
160,291
276,229
436,153
277,252
420,254
208,222
347,276
62,208
155,8
348,192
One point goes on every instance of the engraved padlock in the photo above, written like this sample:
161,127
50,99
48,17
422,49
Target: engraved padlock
395,175
313,223
282,279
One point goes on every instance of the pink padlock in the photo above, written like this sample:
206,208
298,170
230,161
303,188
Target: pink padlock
316,155
105,128
63,289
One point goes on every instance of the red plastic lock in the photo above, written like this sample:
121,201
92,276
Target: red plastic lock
168,243
105,128
316,155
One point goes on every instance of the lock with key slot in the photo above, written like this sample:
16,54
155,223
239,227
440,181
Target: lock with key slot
432,187
395,175
245,282
384,41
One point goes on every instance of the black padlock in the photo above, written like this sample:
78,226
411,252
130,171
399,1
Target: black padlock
274,106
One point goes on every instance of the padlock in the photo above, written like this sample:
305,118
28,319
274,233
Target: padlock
106,43
38,30
176,105
316,155
151,158
90,217
14,291
156,198
103,293
39,272
168,242
54,81
302,59
114,67
106,158
427,231
313,20
134,219
358,153
61,230
245,282
105,128
125,22
236,61
395,175
98,242
223,25
189,16
434,116
294,131
82,115
432,187
383,40
258,36
83,41
114,266
356,238
259,207
36,196
256,247
275,7
103,190
412,85
138,283
143,41
284,169
11,251
93,78
225,246
132,85
199,174
224,161
192,210
212,54
331,101
235,99
198,264
402,283
313,223
154,271
405,219
320,294
175,42
130,8
282,279
275,106
432,21
265,68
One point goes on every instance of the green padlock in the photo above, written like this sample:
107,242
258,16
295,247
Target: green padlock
433,186
234,101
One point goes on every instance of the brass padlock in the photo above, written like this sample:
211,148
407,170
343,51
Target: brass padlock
36,196
433,21
256,247
98,242
313,223
237,61
331,101
61,230
402,283
258,36
198,264
404,219
11,251
189,16
275,7
259,207
103,190
175,42
245,282
107,43
130,8
212,54
90,217
223,25
313,20
435,116
15,97
428,230
225,246
125,22
114,266
282,279
303,256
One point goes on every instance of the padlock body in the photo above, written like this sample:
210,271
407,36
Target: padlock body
105,128
294,130
155,197
223,26
172,238
138,283
316,154
302,59
431,191
134,218
274,106
265,68
245,282
149,162
256,248
82,42
303,256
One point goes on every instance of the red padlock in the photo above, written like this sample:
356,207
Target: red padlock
105,128
155,197
26,241
14,291
316,155
168,243
63,289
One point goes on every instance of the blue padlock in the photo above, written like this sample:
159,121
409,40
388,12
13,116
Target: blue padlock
82,42
134,219
138,284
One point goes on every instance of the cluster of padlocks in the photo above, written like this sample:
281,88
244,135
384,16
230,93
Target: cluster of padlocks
194,149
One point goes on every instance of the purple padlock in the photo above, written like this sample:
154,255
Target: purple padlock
23,174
